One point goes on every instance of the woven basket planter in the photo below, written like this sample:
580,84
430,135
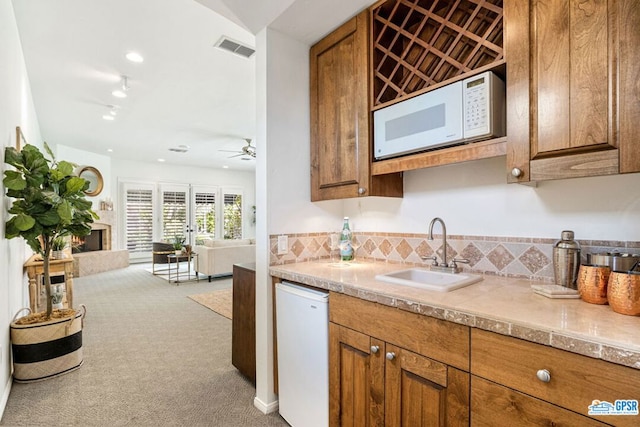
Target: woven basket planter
47,349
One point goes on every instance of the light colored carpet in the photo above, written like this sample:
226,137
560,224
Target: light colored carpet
152,357
220,301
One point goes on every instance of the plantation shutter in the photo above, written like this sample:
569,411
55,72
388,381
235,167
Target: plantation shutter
232,216
139,220
205,216
174,215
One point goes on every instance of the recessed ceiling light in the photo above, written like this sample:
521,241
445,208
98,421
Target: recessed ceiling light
161,160
225,167
134,57
109,150
108,117
119,94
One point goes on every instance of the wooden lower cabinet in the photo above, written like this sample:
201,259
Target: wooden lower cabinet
506,384
356,380
423,392
375,383
389,367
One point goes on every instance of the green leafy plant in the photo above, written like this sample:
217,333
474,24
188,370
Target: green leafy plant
58,244
178,242
49,203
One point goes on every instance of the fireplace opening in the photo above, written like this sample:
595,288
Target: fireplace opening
89,243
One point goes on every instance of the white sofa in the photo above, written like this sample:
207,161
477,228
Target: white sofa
216,257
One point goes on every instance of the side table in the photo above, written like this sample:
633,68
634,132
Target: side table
35,269
173,258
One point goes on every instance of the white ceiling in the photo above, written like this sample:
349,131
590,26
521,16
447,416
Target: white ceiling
186,92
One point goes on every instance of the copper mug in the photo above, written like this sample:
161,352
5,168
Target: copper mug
624,291
592,283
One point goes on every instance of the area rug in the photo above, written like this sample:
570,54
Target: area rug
220,301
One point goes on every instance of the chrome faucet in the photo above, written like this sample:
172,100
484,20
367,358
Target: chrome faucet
451,267
444,239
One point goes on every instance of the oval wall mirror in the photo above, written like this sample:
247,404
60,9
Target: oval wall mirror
94,177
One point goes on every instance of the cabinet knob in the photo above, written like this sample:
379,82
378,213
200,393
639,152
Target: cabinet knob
516,172
543,375
374,349
391,355
362,190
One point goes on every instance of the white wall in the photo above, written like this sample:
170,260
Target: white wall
86,158
474,199
16,109
282,177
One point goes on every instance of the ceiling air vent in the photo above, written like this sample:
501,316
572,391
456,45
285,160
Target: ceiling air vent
235,47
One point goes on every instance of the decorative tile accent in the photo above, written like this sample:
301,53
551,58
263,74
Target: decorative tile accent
385,247
534,335
573,345
518,257
500,257
472,253
492,325
297,248
404,249
534,259
424,250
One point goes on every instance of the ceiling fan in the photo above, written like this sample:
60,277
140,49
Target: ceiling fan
247,150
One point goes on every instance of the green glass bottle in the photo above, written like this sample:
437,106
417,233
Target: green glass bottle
346,250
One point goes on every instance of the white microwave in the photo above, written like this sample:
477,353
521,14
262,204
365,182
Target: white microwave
465,111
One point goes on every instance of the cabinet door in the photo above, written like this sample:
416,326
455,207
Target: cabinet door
340,117
562,89
356,378
493,405
423,392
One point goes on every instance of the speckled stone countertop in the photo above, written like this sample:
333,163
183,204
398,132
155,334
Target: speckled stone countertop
504,305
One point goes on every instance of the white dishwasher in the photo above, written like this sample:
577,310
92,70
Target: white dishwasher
303,355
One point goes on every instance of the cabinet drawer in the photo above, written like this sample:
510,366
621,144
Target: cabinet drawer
438,339
494,405
575,380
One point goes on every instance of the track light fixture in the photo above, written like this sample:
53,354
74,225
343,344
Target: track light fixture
122,93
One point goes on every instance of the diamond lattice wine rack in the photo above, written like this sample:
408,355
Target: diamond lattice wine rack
420,43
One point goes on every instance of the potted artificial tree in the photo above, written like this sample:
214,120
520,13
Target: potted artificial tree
48,203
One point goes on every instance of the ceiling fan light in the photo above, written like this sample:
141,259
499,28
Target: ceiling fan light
108,117
119,94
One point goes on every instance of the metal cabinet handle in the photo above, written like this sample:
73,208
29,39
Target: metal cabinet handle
374,349
544,375
516,172
362,190
391,355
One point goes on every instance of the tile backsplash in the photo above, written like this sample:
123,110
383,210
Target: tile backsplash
503,256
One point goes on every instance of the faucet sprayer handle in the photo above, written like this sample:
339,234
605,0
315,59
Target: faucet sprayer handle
455,260
432,258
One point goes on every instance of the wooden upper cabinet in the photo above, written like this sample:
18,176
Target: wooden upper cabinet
341,136
568,69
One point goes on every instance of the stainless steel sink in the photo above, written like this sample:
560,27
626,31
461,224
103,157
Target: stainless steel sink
427,279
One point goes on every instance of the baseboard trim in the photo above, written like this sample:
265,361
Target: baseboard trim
265,408
5,396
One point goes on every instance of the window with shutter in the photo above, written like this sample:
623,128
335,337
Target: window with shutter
139,220
232,216
174,215
205,216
